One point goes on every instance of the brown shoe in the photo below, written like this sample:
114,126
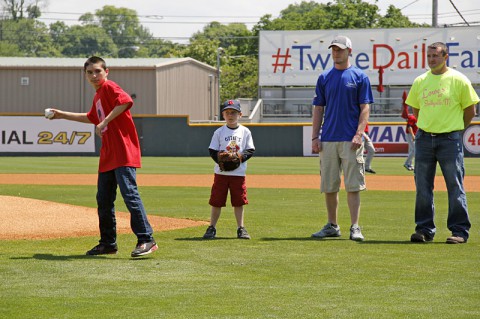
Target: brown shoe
456,240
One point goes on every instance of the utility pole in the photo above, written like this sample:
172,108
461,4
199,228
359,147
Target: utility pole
435,13
220,51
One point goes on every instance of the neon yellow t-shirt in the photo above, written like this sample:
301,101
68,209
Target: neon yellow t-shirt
441,100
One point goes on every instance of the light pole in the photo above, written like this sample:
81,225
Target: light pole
220,50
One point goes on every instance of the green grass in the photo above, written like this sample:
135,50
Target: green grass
280,273
200,165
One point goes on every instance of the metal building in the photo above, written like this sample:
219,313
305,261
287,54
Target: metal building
164,86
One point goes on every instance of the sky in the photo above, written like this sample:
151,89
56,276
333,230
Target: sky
177,20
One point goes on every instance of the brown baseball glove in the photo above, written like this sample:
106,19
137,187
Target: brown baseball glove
228,161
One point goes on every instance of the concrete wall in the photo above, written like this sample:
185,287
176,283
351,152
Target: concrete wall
172,136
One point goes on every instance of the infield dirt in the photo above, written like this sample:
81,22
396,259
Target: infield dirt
36,219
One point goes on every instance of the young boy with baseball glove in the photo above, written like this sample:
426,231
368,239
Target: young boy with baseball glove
230,148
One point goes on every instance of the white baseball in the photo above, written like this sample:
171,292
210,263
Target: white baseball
49,113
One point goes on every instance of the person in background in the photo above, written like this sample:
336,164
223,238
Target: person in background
410,130
341,111
443,101
368,145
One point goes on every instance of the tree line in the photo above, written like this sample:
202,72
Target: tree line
113,32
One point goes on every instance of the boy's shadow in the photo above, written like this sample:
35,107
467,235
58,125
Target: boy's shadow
50,257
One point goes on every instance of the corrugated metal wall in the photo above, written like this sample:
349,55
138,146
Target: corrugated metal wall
183,88
140,84
32,90
187,90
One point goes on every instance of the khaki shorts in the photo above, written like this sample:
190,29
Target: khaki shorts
336,157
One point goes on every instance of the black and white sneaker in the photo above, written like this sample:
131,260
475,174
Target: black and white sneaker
143,249
210,233
242,233
102,249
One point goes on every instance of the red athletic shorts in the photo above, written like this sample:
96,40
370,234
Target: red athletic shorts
222,184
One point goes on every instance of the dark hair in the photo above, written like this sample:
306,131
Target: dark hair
94,60
441,45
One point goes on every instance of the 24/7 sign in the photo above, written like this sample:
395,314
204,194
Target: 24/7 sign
36,134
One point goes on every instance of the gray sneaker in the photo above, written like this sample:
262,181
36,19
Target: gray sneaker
242,233
356,233
329,230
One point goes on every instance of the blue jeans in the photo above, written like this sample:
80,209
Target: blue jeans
125,178
447,150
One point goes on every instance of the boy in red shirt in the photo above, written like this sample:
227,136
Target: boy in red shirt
119,158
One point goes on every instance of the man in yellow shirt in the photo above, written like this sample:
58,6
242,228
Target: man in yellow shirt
443,101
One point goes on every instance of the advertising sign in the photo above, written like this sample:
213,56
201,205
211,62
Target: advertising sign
471,141
37,134
390,140
297,57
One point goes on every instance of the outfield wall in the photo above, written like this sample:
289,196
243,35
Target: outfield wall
174,136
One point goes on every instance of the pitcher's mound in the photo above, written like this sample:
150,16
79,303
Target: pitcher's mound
25,218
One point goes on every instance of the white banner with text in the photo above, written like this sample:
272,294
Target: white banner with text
298,57
37,134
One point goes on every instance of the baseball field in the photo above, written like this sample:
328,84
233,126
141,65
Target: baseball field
48,222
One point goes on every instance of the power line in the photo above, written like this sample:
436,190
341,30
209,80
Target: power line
444,15
409,4
459,12
161,15
159,22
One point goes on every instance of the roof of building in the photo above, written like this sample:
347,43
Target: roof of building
22,62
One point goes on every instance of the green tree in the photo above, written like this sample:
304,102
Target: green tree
87,40
121,25
228,36
31,37
204,50
158,48
9,49
34,11
341,14
58,33
395,19
239,77
237,57
351,14
17,9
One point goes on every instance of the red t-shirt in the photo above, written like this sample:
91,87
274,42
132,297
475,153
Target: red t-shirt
120,145
412,122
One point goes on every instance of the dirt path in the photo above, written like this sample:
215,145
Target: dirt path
25,218
374,182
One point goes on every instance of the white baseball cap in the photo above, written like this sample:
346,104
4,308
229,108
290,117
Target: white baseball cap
342,42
